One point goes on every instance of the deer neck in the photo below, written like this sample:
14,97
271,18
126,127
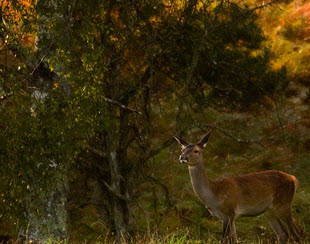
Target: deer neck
202,185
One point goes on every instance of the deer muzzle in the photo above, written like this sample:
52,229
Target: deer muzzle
183,158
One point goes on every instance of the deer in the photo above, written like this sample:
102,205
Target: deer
269,192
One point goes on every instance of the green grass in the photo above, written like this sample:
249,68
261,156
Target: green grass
173,238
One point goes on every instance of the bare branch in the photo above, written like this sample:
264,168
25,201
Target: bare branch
96,151
158,149
122,106
264,5
155,181
120,196
37,66
258,142
96,170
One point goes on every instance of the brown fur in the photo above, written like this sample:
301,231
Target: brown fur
270,192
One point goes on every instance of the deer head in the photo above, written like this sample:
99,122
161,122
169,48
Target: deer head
192,153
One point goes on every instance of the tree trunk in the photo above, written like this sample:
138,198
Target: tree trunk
47,213
121,182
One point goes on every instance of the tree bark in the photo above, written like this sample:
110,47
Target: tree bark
47,215
121,182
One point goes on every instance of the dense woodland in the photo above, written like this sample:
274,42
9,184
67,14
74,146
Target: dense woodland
92,93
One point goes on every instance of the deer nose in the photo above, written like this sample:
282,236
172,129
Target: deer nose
183,158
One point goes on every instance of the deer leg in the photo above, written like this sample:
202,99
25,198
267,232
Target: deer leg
229,231
234,233
292,228
280,231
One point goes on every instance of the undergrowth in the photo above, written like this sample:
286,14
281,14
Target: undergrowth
154,238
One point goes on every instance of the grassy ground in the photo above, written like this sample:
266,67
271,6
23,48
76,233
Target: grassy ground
177,238
250,231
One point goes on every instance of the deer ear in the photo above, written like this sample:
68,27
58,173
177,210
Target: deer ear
181,142
203,142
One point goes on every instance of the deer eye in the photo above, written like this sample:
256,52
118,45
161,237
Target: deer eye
195,151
